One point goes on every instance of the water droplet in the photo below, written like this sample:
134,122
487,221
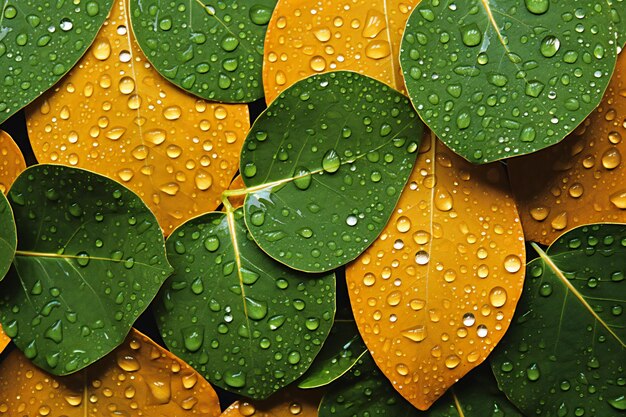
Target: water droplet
537,6
128,363
611,158
550,46
422,257
403,224
532,372
471,35
497,297
452,361
512,263
331,161
415,334
302,178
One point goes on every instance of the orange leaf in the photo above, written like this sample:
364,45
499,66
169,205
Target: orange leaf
305,38
237,184
4,340
437,290
286,403
115,115
12,162
137,379
582,179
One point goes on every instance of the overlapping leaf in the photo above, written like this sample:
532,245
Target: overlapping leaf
324,167
214,50
246,322
90,259
582,179
287,403
12,162
437,290
340,353
39,43
138,379
496,79
564,353
115,115
8,236
305,38
367,393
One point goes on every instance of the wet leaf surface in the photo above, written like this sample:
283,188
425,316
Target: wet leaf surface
90,259
306,38
496,79
4,340
288,403
212,49
138,379
618,15
8,236
115,115
582,179
324,167
343,348
40,42
12,162
564,353
437,290
246,322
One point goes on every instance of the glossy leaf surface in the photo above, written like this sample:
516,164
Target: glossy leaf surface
115,115
582,179
437,290
4,340
12,162
325,165
8,236
564,353
305,38
40,42
496,79
138,379
246,322
340,353
212,49
288,403
90,259
618,14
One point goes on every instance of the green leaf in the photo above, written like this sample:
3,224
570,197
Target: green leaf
325,165
39,43
500,78
564,352
8,236
90,259
213,50
365,392
248,323
340,353
618,15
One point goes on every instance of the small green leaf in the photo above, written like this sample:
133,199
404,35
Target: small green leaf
39,43
90,259
496,79
213,50
365,392
340,353
325,165
564,352
246,322
8,236
618,15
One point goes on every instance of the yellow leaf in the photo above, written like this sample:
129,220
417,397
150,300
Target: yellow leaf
4,340
287,403
137,379
582,179
437,290
11,161
305,38
115,115
237,184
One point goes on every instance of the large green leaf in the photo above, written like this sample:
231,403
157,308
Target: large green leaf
8,236
40,41
211,49
500,78
90,259
325,166
340,353
246,322
365,392
564,352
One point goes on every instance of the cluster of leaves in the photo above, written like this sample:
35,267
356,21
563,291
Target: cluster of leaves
139,121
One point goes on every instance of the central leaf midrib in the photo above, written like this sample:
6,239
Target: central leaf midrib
33,254
561,277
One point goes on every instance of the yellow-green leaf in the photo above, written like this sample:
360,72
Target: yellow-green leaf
305,38
436,291
115,115
138,379
582,179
